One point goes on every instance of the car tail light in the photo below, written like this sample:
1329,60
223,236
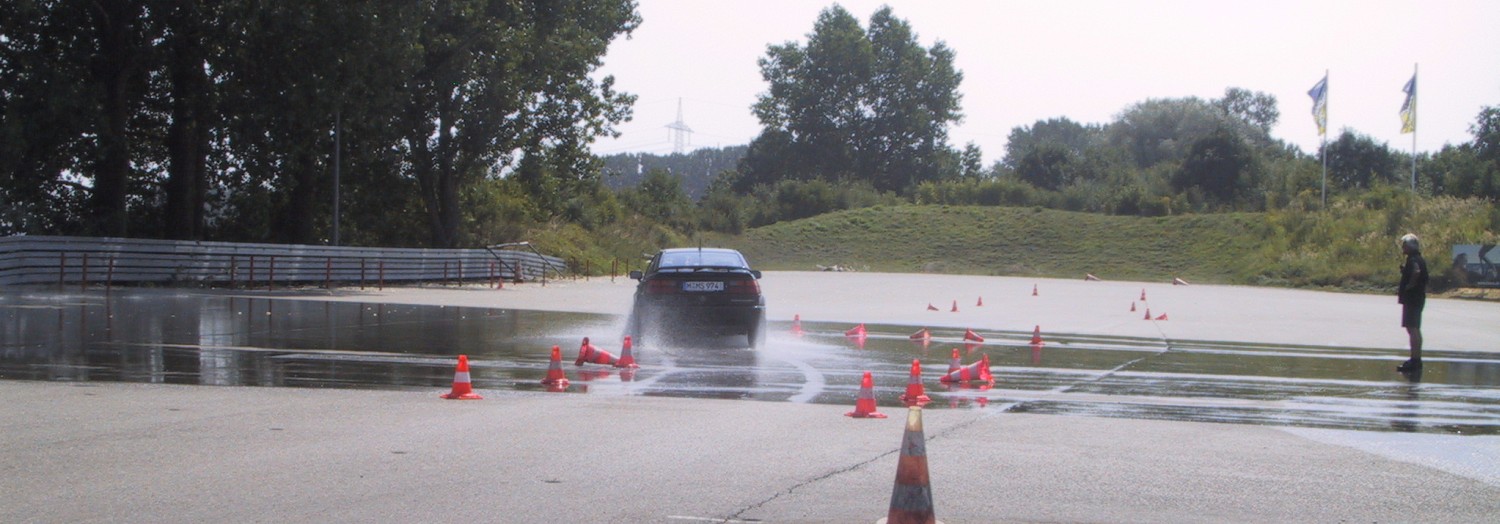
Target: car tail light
743,287
663,287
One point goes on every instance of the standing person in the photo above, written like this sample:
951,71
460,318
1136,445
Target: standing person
1412,295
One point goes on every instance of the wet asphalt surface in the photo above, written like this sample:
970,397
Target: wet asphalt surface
217,339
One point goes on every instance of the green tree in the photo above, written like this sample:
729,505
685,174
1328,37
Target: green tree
1062,132
1356,161
856,104
1254,108
1221,165
1049,166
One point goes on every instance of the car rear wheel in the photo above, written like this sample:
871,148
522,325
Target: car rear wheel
757,335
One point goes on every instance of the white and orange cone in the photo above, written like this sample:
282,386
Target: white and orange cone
856,331
864,405
971,336
1036,336
589,353
923,335
627,359
915,395
911,497
797,325
463,387
555,375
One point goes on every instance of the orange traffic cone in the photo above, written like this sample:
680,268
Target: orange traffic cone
915,394
856,331
931,307
1148,314
463,389
971,336
592,354
1132,306
627,360
1036,336
955,307
954,362
911,498
1143,294
978,371
980,303
555,376
864,406
1033,290
1162,317
797,325
924,335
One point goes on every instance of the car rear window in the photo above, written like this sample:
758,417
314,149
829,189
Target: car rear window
700,258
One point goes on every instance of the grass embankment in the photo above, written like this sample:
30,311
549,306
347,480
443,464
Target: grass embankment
1351,247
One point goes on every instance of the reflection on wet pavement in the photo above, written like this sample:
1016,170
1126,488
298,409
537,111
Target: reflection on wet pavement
171,336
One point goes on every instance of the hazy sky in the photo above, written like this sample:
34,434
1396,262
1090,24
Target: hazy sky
1025,61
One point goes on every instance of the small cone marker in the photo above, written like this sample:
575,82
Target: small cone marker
589,353
555,376
955,307
463,389
1089,277
911,498
1148,314
1162,317
627,360
1033,290
864,406
1036,336
971,336
856,331
1132,306
1179,282
915,394
924,335
1143,294
955,362
980,303
931,307
797,325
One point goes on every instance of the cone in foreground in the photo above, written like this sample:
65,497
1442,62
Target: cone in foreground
911,498
627,358
864,405
915,395
555,376
463,388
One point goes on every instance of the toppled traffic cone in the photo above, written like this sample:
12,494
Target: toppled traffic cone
931,307
856,331
954,362
955,307
1089,277
976,372
797,325
463,389
1179,282
864,405
915,394
627,360
971,336
591,354
1033,290
1162,317
924,334
555,376
911,498
1036,336
1148,314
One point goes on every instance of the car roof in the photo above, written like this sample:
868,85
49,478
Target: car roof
703,249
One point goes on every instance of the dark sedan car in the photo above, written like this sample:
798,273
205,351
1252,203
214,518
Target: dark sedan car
695,293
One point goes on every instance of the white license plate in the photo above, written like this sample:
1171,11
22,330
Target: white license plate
701,287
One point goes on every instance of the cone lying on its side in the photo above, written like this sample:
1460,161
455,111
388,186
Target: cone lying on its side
915,394
555,376
1089,277
856,331
463,388
1036,336
591,354
931,307
976,372
1179,282
924,334
864,406
911,498
627,359
971,336
1162,317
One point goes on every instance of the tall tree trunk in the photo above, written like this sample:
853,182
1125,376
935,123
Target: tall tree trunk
187,136
114,23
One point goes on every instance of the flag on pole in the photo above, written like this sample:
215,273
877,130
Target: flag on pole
1409,108
1319,94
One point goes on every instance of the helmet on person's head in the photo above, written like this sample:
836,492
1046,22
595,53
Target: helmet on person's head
1409,242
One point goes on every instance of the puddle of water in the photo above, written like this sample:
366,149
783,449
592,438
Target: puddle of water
170,336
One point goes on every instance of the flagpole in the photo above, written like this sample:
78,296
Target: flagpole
1323,149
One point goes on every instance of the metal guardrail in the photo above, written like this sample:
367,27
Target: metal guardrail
59,260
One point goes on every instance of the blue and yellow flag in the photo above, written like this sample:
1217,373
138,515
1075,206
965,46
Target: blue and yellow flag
1319,94
1409,108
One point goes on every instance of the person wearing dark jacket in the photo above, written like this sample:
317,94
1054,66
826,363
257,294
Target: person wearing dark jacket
1412,295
